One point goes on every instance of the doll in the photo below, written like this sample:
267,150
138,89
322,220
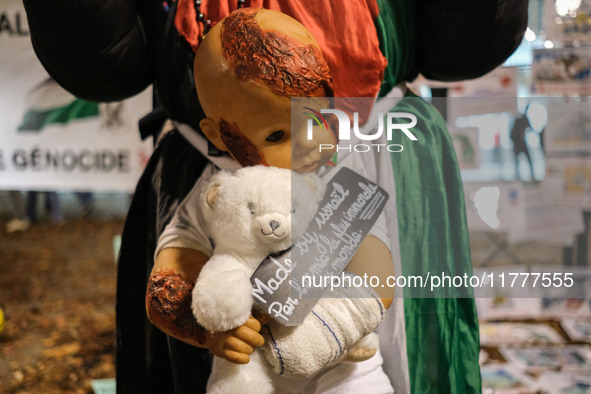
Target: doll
247,104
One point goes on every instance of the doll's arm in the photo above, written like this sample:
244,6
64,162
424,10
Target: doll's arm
96,49
339,320
463,39
374,259
168,303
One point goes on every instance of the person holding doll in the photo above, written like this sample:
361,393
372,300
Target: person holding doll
371,48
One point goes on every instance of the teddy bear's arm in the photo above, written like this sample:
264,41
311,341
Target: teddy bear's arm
222,298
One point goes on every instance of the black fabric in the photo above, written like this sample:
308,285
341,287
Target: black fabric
192,367
97,50
459,39
110,50
152,123
175,85
144,353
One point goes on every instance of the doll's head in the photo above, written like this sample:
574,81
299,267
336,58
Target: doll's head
246,70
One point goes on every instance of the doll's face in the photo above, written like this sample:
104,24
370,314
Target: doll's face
256,128
247,101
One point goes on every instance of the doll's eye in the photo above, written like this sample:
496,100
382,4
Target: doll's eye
292,210
251,208
276,136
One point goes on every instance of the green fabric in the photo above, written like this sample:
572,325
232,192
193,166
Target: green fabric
35,120
397,34
442,333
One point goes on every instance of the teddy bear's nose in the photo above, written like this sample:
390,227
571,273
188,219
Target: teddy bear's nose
274,224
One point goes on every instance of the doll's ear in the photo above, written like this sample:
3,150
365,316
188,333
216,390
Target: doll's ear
211,130
211,195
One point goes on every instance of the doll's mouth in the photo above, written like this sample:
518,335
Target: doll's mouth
307,167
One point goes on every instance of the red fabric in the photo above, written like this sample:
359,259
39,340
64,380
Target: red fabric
344,30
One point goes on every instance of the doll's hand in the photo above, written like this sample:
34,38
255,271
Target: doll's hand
262,317
238,344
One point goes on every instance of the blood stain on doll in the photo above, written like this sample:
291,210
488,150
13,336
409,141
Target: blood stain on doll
169,299
239,146
283,64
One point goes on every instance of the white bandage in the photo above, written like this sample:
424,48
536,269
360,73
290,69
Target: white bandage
340,319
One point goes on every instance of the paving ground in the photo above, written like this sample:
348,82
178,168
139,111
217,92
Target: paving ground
57,291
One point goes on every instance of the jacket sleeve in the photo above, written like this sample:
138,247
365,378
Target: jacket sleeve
96,49
463,39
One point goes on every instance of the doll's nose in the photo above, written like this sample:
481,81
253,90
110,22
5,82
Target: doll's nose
274,225
307,144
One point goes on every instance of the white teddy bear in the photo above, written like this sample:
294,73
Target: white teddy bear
251,214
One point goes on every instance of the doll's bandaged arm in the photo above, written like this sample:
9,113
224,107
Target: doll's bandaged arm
341,317
338,321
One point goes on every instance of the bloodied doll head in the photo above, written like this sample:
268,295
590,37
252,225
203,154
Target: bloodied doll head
246,70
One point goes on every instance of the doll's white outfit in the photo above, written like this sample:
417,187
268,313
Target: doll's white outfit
187,229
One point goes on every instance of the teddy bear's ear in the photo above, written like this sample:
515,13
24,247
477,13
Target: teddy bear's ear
211,195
